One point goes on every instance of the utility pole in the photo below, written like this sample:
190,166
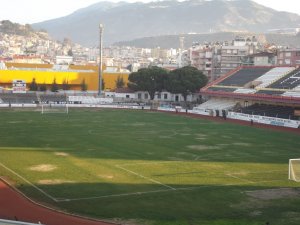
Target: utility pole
100,59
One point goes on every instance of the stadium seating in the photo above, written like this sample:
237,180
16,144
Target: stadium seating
244,76
292,94
18,98
270,92
89,100
272,75
290,81
226,89
48,98
217,104
245,91
285,112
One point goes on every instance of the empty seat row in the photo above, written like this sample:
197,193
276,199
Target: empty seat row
285,112
244,76
290,81
214,104
273,75
15,98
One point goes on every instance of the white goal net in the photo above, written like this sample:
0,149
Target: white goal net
294,170
54,108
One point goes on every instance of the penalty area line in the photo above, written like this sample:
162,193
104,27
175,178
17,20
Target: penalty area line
236,177
27,181
146,178
115,195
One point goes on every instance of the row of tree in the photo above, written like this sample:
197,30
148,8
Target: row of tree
55,87
185,81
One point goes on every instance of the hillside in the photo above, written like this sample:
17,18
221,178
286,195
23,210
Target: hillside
172,41
9,28
126,21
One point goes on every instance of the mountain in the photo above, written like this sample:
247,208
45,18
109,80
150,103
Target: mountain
172,41
126,21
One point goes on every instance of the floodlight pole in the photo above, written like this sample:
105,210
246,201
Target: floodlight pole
100,59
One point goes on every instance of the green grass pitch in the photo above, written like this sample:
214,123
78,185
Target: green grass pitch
151,168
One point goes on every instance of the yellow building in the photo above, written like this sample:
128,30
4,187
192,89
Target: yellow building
73,75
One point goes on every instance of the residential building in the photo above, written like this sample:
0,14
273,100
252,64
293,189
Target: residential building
201,57
288,57
260,59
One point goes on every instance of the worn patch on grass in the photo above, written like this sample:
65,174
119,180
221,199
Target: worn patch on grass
55,181
106,176
165,136
203,147
14,122
278,193
241,144
201,137
255,213
184,134
175,159
170,135
61,154
225,136
223,144
136,124
43,168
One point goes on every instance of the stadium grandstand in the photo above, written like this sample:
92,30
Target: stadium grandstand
268,95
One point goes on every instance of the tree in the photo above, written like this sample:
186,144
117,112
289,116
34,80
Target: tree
185,81
120,82
150,79
43,87
65,85
83,85
67,42
70,52
54,87
33,85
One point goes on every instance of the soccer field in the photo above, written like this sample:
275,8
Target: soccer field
151,168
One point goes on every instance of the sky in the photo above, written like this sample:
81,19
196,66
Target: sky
32,11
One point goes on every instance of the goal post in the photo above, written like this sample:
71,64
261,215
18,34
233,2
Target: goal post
294,170
54,108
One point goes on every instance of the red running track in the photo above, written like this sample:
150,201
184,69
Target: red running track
14,206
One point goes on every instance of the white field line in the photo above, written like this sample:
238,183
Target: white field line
134,193
150,163
27,181
114,195
230,175
146,178
158,191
